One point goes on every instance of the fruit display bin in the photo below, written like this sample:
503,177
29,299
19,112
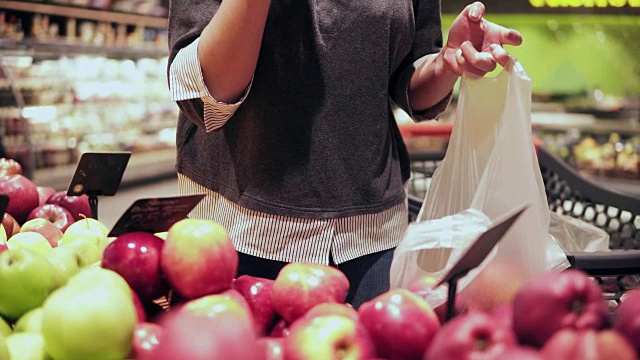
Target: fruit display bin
568,193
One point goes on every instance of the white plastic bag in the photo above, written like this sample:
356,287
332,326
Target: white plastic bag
576,235
490,166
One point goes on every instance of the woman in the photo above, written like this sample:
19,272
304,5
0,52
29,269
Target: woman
286,122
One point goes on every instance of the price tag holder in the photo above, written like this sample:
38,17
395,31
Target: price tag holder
98,174
477,252
155,214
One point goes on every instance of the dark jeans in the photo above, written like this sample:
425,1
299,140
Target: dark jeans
368,275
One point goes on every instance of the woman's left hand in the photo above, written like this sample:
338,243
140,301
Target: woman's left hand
474,44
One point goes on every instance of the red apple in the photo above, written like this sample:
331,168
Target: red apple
271,348
44,193
400,323
226,302
257,293
474,335
10,224
10,167
503,316
78,206
520,353
56,214
570,344
424,288
554,301
236,296
44,227
212,327
301,286
23,196
141,313
136,257
626,319
146,338
198,258
495,285
328,337
280,329
333,309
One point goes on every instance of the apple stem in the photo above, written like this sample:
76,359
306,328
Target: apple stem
577,307
341,351
482,344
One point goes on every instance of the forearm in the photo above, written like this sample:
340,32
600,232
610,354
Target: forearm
430,83
230,45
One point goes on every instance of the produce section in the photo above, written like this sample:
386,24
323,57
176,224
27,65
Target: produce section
79,76
174,294
74,80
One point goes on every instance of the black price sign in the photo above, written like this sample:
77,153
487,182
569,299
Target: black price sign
155,215
99,173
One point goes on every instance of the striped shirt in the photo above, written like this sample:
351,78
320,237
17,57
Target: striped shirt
275,237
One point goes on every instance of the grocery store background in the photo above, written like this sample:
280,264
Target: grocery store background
87,75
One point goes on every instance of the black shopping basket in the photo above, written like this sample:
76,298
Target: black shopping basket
571,194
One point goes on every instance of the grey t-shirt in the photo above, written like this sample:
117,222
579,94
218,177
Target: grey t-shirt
315,137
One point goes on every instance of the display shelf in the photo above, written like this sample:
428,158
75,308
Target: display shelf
77,97
57,48
552,121
86,14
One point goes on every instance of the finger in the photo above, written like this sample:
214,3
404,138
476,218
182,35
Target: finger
452,62
475,11
506,36
499,54
466,67
482,61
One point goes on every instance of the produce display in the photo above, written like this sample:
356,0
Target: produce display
614,155
70,291
114,105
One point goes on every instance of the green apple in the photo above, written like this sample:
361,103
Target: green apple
27,346
4,349
86,229
67,262
88,251
27,279
88,278
31,241
83,321
30,322
5,328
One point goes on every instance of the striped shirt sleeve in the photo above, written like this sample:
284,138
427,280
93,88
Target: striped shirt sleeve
186,83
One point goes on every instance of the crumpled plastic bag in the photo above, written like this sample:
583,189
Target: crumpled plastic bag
575,235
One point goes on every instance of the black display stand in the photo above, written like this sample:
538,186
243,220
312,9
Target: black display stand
98,174
476,253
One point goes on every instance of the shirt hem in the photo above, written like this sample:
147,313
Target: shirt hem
250,202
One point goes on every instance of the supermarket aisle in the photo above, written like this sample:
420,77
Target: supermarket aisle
111,208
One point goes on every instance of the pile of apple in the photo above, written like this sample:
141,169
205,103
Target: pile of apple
175,295
302,314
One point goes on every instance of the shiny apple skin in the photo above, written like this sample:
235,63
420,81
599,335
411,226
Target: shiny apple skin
136,257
